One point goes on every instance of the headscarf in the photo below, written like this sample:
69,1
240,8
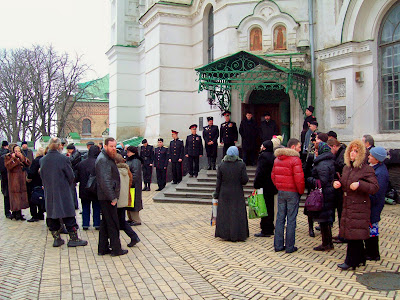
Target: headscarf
323,147
233,150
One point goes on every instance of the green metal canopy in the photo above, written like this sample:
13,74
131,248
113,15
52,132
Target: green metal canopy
244,72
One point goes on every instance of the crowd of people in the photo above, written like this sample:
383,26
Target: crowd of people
353,181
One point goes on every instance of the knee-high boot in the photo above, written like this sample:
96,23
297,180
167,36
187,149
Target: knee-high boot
372,248
311,227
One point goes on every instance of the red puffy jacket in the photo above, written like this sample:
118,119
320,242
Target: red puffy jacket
287,173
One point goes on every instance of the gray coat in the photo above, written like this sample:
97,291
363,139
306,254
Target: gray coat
232,224
58,182
107,178
135,166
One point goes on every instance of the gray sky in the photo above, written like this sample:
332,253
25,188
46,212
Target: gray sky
73,26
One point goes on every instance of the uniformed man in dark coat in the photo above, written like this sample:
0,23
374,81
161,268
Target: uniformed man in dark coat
309,118
161,163
193,150
210,136
147,154
228,132
248,130
175,153
268,128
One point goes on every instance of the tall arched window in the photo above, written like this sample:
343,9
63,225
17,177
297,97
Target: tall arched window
210,34
86,126
389,49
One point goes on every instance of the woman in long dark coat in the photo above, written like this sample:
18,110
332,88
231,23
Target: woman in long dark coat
357,182
324,171
16,162
37,211
232,223
134,161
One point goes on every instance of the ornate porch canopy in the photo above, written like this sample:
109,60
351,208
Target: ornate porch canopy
244,72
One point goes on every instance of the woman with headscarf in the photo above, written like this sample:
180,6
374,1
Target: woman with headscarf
16,162
358,181
134,161
232,224
324,171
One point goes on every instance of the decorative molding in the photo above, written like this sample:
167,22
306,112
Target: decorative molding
342,50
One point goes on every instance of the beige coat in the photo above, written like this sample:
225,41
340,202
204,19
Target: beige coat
126,181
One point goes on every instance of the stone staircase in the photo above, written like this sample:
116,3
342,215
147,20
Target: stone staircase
198,190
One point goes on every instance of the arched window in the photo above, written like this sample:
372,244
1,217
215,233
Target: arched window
280,38
389,49
86,126
210,34
256,39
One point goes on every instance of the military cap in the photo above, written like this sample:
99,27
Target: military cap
210,118
144,141
174,131
193,125
311,108
160,139
226,112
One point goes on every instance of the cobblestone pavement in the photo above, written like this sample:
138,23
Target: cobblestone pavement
179,258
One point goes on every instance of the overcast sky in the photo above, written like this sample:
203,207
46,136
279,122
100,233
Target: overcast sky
73,26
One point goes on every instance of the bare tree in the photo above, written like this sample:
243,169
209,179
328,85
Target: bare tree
38,90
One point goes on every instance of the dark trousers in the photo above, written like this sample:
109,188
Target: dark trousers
249,157
109,228
326,233
7,205
147,170
267,223
123,224
193,170
177,172
225,148
161,177
355,253
372,247
86,212
55,224
36,211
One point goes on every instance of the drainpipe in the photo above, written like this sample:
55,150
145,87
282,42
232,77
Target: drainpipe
311,29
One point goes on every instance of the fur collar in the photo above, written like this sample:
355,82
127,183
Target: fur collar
286,152
361,154
122,166
231,158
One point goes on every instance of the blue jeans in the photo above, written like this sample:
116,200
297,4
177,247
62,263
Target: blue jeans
288,206
86,212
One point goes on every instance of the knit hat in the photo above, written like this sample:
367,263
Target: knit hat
276,142
379,153
4,143
233,150
71,146
24,143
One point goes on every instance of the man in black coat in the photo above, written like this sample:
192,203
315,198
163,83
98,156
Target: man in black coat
263,180
308,119
161,163
210,136
58,182
147,154
4,180
108,188
193,150
248,130
228,132
175,153
268,128
88,145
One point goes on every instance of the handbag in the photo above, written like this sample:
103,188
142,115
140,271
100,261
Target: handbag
131,202
257,206
214,212
315,200
91,185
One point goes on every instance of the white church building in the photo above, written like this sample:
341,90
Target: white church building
173,63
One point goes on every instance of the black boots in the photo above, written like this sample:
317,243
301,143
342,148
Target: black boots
74,240
58,241
146,187
311,227
372,249
209,163
326,233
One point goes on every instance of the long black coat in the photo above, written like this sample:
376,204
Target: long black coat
211,134
324,170
232,223
107,178
194,145
83,171
248,130
58,182
263,172
33,172
268,130
135,166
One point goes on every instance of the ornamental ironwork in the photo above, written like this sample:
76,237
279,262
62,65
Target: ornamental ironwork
244,72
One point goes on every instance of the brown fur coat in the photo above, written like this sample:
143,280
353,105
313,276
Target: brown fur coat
17,181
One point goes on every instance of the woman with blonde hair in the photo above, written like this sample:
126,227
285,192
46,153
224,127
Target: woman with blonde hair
37,209
357,182
16,162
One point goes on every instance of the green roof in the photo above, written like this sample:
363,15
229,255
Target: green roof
136,141
74,135
45,138
95,90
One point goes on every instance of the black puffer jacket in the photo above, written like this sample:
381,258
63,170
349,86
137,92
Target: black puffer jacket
324,170
83,171
75,159
33,172
107,177
264,169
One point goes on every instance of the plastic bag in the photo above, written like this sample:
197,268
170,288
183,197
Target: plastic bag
257,207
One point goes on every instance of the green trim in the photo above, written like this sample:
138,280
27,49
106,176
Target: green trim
254,9
244,71
136,141
74,135
175,3
45,138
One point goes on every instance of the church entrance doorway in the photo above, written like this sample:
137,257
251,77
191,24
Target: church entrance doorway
277,103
